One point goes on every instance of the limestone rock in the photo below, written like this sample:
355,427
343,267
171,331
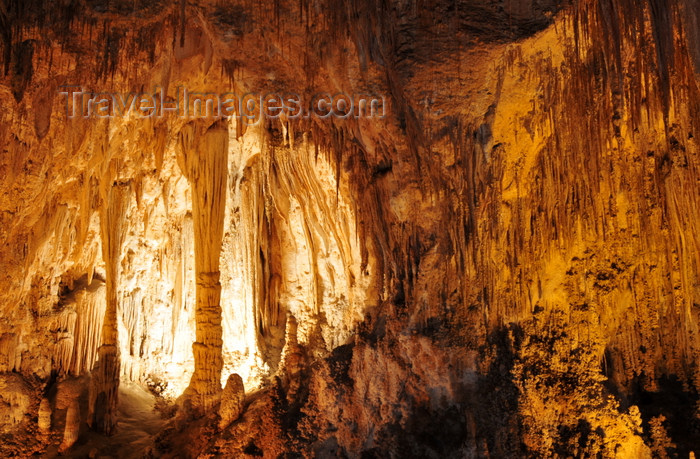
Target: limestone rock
294,365
204,162
104,388
72,429
44,419
500,264
232,401
15,400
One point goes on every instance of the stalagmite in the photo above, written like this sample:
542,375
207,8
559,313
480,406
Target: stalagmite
203,160
232,399
294,365
44,418
72,429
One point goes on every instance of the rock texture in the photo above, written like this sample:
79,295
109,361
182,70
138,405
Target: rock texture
72,429
232,401
44,417
15,400
204,163
505,265
104,387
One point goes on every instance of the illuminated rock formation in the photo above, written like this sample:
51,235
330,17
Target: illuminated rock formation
232,401
204,163
104,386
72,429
505,264
44,418
14,402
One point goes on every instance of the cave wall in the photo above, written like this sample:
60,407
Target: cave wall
525,218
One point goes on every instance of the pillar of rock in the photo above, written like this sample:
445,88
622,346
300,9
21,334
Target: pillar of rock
232,400
44,418
104,386
203,160
72,429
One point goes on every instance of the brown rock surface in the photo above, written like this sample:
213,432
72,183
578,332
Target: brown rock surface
44,418
72,429
232,401
505,265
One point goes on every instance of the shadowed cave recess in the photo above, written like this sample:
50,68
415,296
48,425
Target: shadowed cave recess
503,263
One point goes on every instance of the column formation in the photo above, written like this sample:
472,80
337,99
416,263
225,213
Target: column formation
104,386
204,161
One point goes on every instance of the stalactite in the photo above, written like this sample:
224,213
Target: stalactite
204,161
65,330
257,226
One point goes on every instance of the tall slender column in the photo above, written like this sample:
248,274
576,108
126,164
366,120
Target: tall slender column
204,161
104,387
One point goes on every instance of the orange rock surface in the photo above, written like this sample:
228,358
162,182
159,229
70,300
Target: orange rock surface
505,264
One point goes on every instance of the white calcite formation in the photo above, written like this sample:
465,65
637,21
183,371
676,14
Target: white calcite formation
204,161
115,198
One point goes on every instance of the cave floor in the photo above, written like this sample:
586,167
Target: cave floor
139,422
